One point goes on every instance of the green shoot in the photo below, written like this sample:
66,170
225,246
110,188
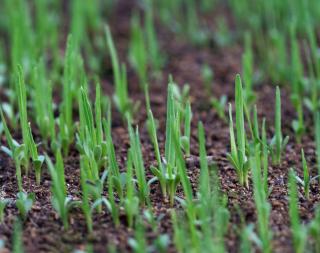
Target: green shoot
219,105
299,232
186,184
207,77
185,139
204,176
306,175
265,156
60,201
43,105
296,96
307,179
85,204
139,244
255,126
30,148
237,157
247,72
121,98
246,234
263,207
179,233
68,94
167,173
24,203
156,57
3,204
314,229
90,139
22,102
138,165
137,54
278,144
113,208
159,172
131,202
113,166
14,150
17,238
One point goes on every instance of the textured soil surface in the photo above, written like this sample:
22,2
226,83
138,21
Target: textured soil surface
43,231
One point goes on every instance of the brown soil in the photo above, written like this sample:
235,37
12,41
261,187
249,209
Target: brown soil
43,231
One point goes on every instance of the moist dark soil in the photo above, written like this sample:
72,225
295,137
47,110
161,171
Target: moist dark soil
43,231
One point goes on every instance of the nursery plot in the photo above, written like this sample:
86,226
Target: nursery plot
159,126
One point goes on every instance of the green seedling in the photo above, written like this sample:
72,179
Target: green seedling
307,179
110,205
162,241
187,202
3,204
138,243
114,209
113,167
69,93
8,111
222,37
312,101
15,151
314,229
185,139
85,204
298,230
60,201
278,143
17,241
247,236
43,105
207,77
160,172
90,139
255,126
138,165
247,71
166,172
30,148
181,98
262,205
24,203
131,202
137,52
204,175
296,82
238,157
219,105
95,184
265,157
178,233
121,98
156,56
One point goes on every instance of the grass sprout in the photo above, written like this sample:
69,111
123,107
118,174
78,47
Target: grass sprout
298,230
278,143
24,203
60,201
121,98
238,157
3,204
262,205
